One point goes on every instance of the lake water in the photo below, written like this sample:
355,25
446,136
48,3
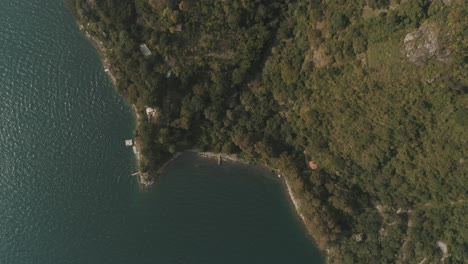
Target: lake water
66,195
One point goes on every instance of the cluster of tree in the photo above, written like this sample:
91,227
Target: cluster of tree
276,80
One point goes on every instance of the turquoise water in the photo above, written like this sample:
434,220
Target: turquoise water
65,191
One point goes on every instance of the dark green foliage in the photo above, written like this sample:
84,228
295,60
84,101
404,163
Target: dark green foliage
378,3
285,82
338,21
461,117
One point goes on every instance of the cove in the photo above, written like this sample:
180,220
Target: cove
66,194
232,213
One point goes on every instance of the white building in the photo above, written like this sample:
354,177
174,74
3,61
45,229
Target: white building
144,49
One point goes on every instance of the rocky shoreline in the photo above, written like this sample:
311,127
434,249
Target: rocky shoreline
294,200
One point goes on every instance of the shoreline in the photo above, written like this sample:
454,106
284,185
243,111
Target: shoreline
146,183
222,156
143,179
234,158
146,179
101,50
296,203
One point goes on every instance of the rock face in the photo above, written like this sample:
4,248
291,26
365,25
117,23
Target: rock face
424,44
443,247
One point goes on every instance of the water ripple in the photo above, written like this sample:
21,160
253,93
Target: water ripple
61,134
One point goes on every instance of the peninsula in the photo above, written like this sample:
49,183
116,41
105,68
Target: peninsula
361,105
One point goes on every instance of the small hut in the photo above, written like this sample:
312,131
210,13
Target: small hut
150,113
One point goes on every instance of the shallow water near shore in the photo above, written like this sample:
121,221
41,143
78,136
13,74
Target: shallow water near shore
66,194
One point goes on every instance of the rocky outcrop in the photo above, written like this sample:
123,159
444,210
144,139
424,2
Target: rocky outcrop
443,248
423,44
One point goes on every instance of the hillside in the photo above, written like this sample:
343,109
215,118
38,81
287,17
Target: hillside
362,105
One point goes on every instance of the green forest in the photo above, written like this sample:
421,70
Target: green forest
374,92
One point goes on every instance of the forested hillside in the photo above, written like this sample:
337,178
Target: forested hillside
362,105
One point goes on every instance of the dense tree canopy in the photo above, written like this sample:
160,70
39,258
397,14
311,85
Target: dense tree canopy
283,82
